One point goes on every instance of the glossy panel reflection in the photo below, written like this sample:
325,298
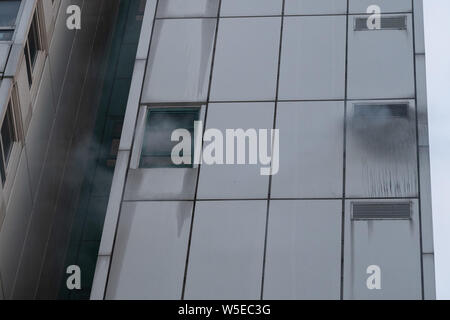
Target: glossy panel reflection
311,150
303,250
150,251
246,62
237,181
387,6
313,58
250,7
180,61
315,7
190,8
227,251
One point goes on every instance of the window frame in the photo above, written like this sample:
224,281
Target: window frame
141,130
10,165
34,69
30,60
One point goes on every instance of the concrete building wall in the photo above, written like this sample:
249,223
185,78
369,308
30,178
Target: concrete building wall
351,108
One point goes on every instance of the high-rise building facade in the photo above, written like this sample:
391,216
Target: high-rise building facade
348,214
91,121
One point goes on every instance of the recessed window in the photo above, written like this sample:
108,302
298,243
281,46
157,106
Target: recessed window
32,47
157,143
8,137
8,16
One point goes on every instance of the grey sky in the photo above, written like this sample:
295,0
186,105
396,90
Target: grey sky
437,28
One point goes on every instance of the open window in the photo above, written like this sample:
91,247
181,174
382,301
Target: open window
9,137
33,47
154,145
9,10
157,144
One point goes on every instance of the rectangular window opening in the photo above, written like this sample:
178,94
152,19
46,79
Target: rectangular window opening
157,145
8,137
32,48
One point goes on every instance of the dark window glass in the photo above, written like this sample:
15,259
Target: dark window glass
28,64
2,170
8,137
32,47
157,145
33,41
8,12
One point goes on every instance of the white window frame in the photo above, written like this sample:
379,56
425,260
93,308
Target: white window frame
37,70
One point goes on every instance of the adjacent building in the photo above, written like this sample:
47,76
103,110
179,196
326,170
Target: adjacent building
51,83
